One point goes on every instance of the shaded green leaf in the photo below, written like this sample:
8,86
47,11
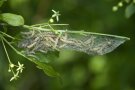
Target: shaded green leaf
45,58
130,10
12,19
48,70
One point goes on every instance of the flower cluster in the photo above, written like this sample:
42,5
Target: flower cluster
55,15
15,69
120,4
19,68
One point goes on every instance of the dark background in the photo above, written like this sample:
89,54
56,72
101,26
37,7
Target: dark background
113,71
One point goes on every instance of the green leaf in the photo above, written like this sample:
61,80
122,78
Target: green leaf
12,19
48,70
1,2
46,58
130,10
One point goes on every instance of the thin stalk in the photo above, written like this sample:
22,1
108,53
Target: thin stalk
39,24
59,24
46,24
5,28
18,51
55,31
6,52
7,35
74,32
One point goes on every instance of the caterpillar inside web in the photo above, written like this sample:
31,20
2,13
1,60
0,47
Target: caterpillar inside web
43,41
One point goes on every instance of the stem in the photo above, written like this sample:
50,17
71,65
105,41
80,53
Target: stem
39,24
13,71
5,28
75,32
9,44
6,52
46,24
18,51
7,35
52,28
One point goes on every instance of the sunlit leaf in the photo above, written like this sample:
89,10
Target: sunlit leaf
130,10
12,19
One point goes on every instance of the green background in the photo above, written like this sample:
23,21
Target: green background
113,71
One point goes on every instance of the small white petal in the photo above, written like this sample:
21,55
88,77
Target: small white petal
54,11
12,79
57,18
18,62
54,15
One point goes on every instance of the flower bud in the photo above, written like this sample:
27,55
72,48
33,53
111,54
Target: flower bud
12,65
115,8
51,20
120,4
9,70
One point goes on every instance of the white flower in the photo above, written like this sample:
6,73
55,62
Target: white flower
56,14
15,76
20,67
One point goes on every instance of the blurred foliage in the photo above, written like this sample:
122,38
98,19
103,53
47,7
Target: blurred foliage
114,71
130,10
